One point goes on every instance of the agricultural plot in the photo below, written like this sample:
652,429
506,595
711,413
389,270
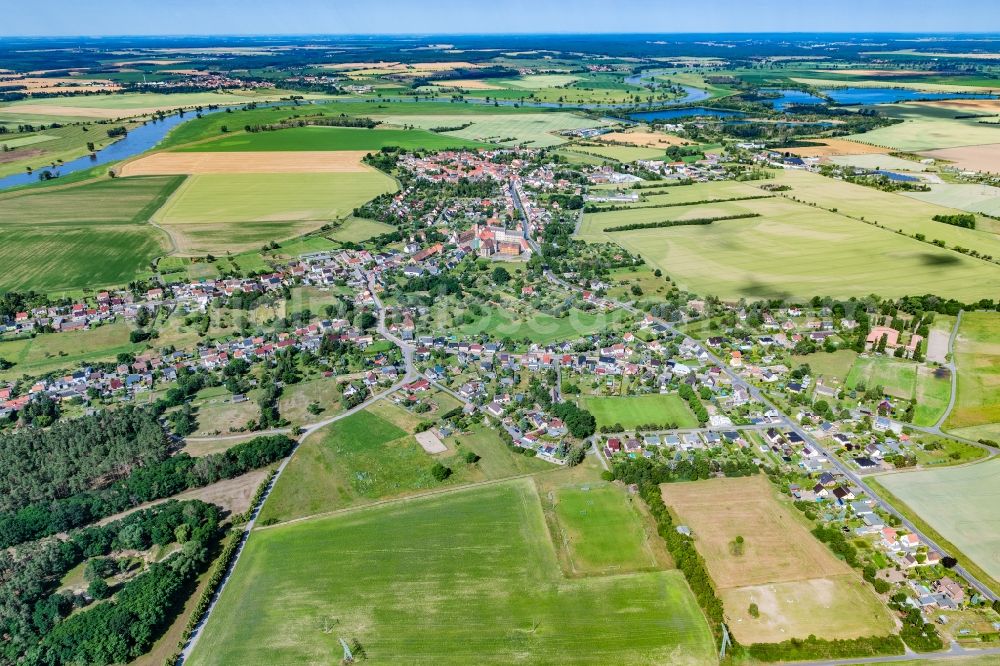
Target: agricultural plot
137,104
795,250
643,139
960,503
622,153
219,213
40,150
342,161
537,130
967,197
467,576
974,158
91,235
922,130
634,411
798,585
359,229
600,530
877,161
832,148
977,354
45,353
332,138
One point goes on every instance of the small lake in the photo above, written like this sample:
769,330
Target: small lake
893,95
672,114
790,97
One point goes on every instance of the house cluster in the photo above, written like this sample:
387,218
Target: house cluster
701,171
647,445
892,337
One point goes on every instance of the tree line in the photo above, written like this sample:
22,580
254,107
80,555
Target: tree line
679,223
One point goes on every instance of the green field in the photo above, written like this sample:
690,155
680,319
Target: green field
897,377
221,212
960,503
359,229
795,250
89,235
332,138
601,530
622,153
49,352
833,368
534,129
977,354
470,576
39,150
540,328
640,410
140,103
924,129
972,198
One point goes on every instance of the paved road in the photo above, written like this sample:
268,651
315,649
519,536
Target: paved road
954,652
410,375
789,424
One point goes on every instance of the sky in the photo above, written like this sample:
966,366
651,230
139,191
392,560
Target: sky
231,17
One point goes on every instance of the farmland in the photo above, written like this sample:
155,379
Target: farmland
202,214
82,236
799,586
923,130
635,411
977,354
441,599
332,138
960,503
794,250
343,161
535,129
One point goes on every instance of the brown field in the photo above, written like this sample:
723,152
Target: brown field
833,148
976,158
967,105
382,67
331,161
798,585
467,84
777,547
643,139
82,111
61,85
831,607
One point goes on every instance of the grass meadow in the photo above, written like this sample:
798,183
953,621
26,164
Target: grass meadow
540,328
465,576
796,250
960,503
977,354
925,129
635,411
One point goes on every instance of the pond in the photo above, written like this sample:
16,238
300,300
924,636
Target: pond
789,97
689,112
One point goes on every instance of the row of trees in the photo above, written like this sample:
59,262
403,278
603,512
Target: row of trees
153,481
679,223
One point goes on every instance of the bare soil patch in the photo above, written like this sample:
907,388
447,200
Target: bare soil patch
970,105
776,547
330,161
15,155
937,346
834,148
430,442
643,139
973,158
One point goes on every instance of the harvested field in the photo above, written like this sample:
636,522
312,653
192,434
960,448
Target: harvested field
644,139
777,547
341,161
876,72
233,495
81,111
967,105
833,148
467,84
430,442
973,158
846,609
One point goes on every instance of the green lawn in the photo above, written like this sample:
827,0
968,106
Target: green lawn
622,153
977,353
636,411
833,368
541,328
793,250
897,377
332,138
469,576
601,530
52,351
359,229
